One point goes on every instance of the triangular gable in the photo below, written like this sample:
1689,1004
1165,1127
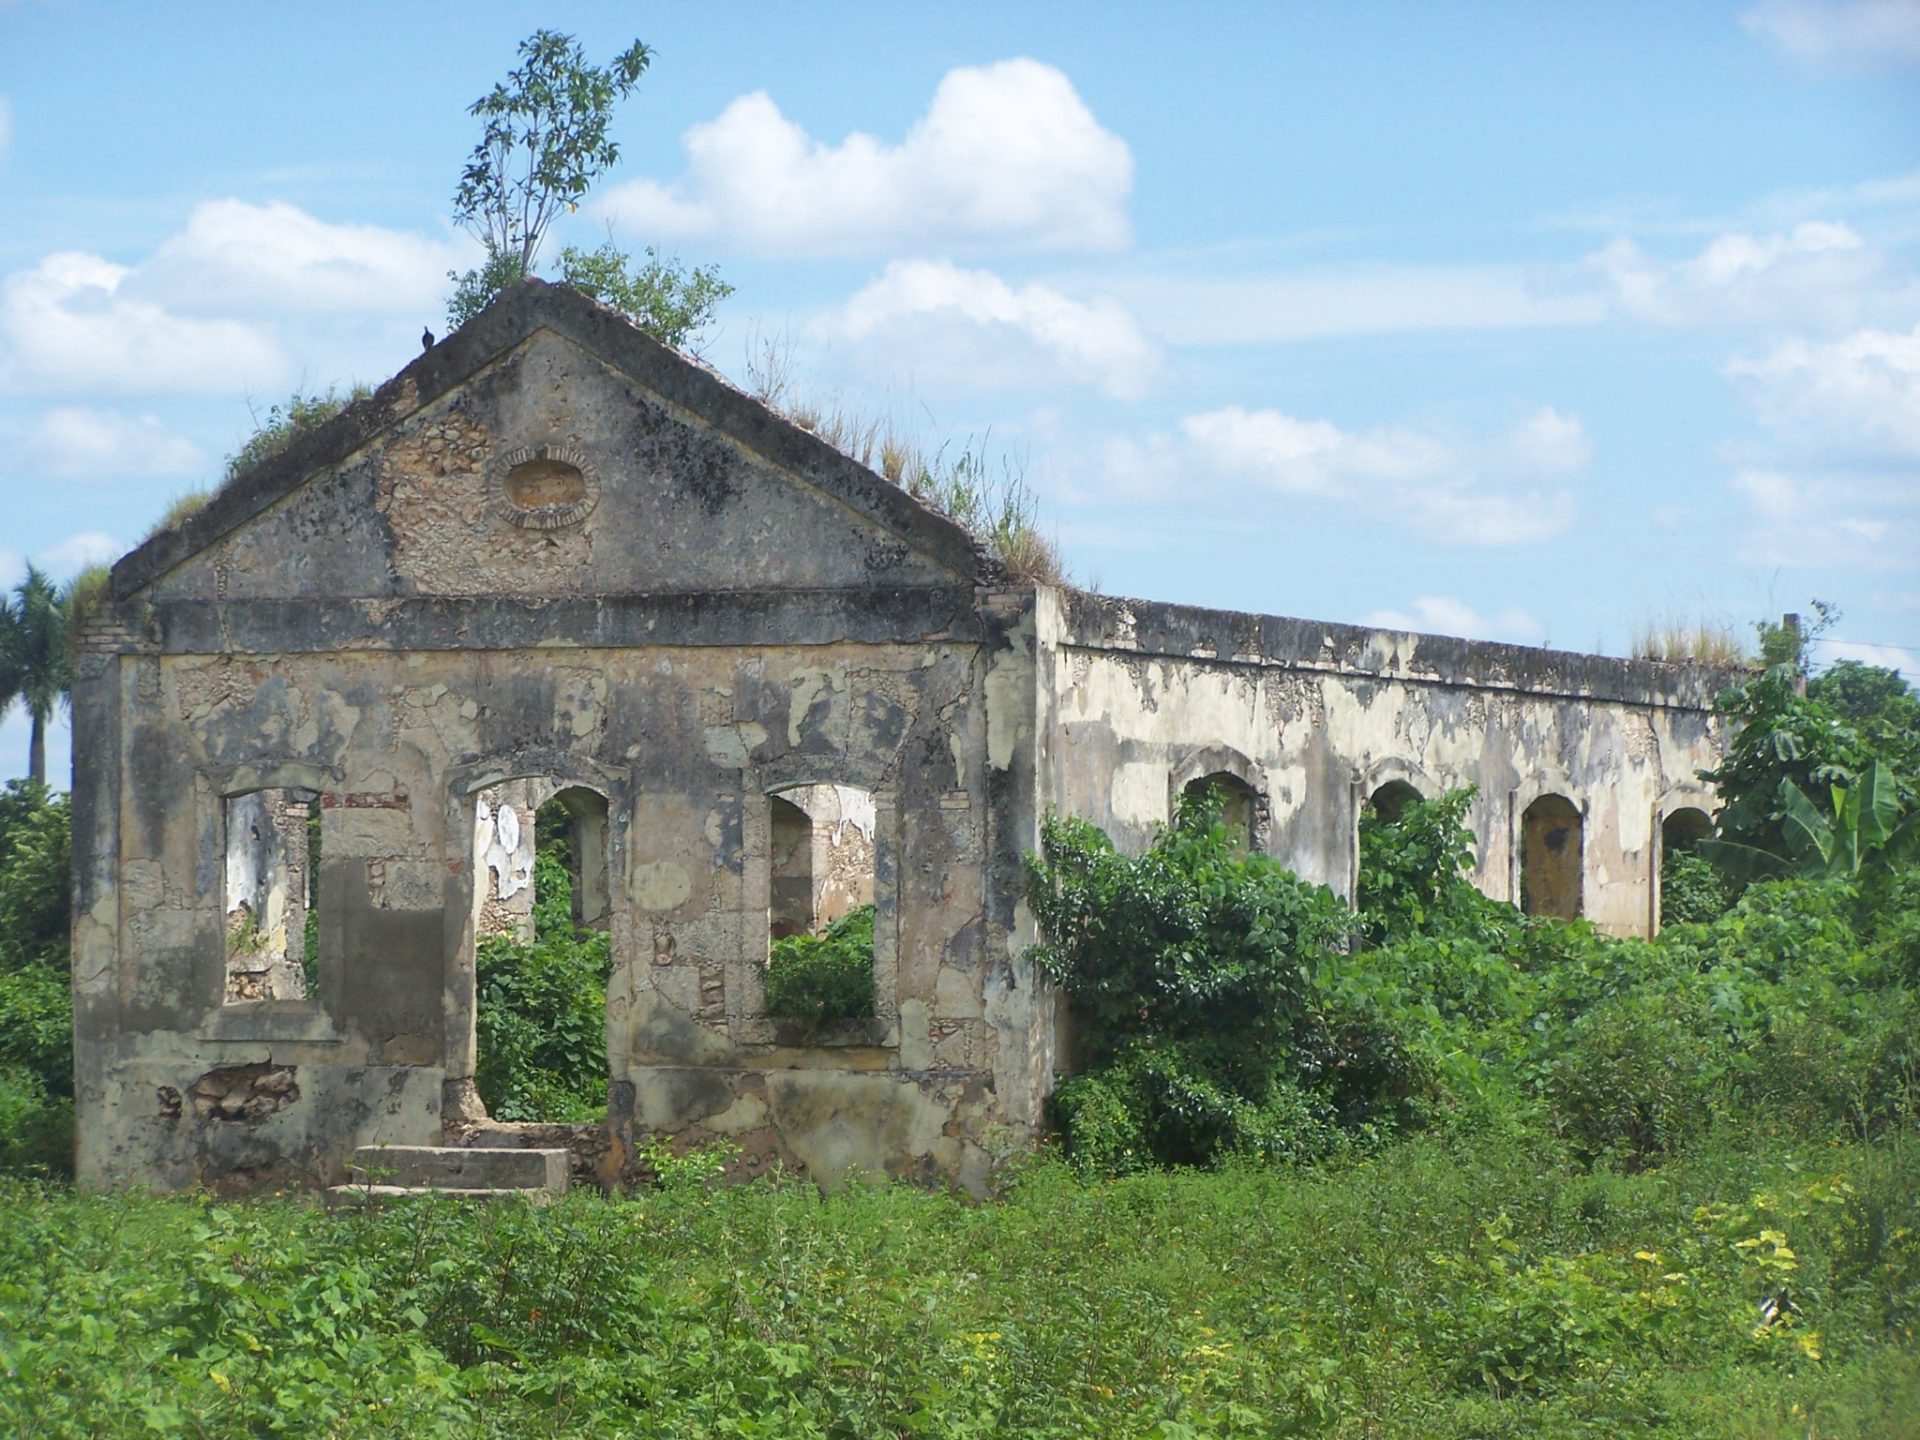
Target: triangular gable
692,485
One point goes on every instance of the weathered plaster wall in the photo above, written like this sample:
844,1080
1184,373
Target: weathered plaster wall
1143,697
687,743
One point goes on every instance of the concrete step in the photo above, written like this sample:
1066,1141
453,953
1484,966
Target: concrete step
462,1167
353,1197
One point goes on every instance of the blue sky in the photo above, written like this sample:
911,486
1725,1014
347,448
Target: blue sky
1529,322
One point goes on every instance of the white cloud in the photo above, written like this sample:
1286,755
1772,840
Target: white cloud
1094,341
64,323
234,256
1819,275
1007,155
1858,396
1805,520
1211,309
1887,657
78,443
76,552
1310,457
1430,482
212,310
1870,34
1549,443
1444,615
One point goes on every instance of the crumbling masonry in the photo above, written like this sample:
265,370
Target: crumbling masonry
553,558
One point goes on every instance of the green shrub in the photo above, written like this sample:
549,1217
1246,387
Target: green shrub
1187,969
1414,868
541,1027
36,871
36,997
1692,891
824,979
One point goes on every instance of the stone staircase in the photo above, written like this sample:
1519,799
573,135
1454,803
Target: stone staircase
461,1172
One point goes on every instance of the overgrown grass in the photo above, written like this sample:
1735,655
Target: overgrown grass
1682,641
1474,1288
979,488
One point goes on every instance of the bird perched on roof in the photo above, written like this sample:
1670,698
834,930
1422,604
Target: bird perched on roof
426,339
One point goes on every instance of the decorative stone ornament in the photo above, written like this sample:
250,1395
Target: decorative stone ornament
545,487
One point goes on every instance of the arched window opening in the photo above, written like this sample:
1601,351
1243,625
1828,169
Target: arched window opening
821,904
1690,888
1237,805
271,895
1684,829
542,928
1391,800
1550,858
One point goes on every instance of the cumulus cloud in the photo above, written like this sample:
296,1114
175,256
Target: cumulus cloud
210,309
938,307
1858,396
79,443
1007,155
1444,615
1820,275
1429,481
66,323
236,256
1868,34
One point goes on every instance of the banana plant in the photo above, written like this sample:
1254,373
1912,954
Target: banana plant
1866,829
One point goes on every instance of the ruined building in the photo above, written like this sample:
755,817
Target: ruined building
552,558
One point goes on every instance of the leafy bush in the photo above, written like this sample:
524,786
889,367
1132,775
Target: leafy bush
541,1027
1414,868
36,999
1692,890
824,979
1188,970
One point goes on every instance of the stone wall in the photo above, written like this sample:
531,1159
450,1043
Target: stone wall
1314,719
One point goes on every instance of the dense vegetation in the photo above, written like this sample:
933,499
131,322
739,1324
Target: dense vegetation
36,1000
1429,1170
541,1042
825,978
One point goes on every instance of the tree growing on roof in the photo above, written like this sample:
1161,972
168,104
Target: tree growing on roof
544,143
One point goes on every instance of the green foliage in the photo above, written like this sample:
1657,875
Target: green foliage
1692,889
824,979
286,422
1781,644
36,999
544,143
1880,706
1188,971
475,289
1480,1288
1414,868
541,1027
1782,736
34,666
663,297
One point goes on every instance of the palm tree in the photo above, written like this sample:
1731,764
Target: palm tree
33,659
